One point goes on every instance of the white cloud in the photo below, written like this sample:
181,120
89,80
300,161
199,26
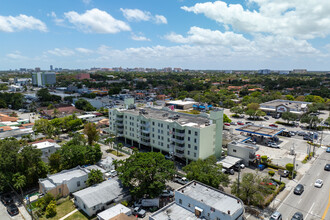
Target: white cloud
16,56
307,19
138,15
84,50
87,2
197,35
61,52
96,21
140,37
160,19
57,20
21,22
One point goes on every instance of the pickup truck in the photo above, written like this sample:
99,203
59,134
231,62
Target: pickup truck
181,180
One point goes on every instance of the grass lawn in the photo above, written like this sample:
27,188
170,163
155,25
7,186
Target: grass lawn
114,152
79,215
62,209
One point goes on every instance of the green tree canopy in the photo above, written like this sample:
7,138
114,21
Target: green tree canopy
91,132
145,173
226,119
289,116
207,171
94,177
84,105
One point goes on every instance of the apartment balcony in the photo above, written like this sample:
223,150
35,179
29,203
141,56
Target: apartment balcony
146,131
119,123
180,134
178,141
119,119
180,147
145,137
144,124
145,142
121,129
179,154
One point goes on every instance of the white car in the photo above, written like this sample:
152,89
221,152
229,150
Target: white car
167,193
318,183
273,145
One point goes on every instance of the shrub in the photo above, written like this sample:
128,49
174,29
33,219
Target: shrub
271,173
51,209
275,166
289,167
263,159
43,202
125,203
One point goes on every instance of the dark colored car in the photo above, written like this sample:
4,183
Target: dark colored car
299,189
273,125
328,149
308,138
266,118
297,216
12,209
327,167
6,199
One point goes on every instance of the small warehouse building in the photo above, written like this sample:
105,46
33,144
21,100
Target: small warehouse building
244,151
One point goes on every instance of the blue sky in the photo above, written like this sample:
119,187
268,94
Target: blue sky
236,34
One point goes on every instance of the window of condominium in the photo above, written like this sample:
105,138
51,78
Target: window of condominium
195,147
195,154
158,137
188,152
196,133
195,140
180,201
168,146
189,131
189,146
153,123
188,138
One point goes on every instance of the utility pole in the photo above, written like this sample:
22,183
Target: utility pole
294,165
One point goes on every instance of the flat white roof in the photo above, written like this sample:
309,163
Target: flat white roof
114,211
86,116
180,102
229,161
46,144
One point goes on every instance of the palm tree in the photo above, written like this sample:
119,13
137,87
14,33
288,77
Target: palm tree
20,181
56,112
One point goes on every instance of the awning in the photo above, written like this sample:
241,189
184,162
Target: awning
198,209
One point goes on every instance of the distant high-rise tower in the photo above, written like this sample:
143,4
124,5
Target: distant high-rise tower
51,67
37,69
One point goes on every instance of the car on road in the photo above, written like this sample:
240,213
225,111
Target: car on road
167,193
297,216
12,209
276,216
233,123
273,145
328,150
181,180
266,118
139,212
327,167
240,123
249,123
318,183
273,125
293,133
227,124
6,199
299,189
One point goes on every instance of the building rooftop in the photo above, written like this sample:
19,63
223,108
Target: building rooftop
287,103
101,193
67,175
113,211
260,130
211,197
180,102
174,212
183,119
46,144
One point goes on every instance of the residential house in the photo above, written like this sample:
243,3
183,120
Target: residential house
114,211
64,182
100,196
196,200
107,164
47,148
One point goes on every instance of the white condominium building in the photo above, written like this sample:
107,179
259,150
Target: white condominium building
184,136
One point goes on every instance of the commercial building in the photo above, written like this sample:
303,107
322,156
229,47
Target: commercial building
181,135
244,151
43,78
100,196
82,76
199,201
279,106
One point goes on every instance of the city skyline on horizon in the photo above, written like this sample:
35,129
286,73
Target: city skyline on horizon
203,35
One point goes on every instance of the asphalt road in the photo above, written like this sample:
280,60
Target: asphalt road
313,201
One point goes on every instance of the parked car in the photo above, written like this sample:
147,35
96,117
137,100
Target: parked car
318,183
301,133
276,216
327,167
266,118
293,133
297,216
240,123
249,123
250,142
167,193
273,125
233,123
273,145
299,189
139,212
6,199
227,124
12,209
285,173
181,180
328,150
228,171
308,138
274,183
